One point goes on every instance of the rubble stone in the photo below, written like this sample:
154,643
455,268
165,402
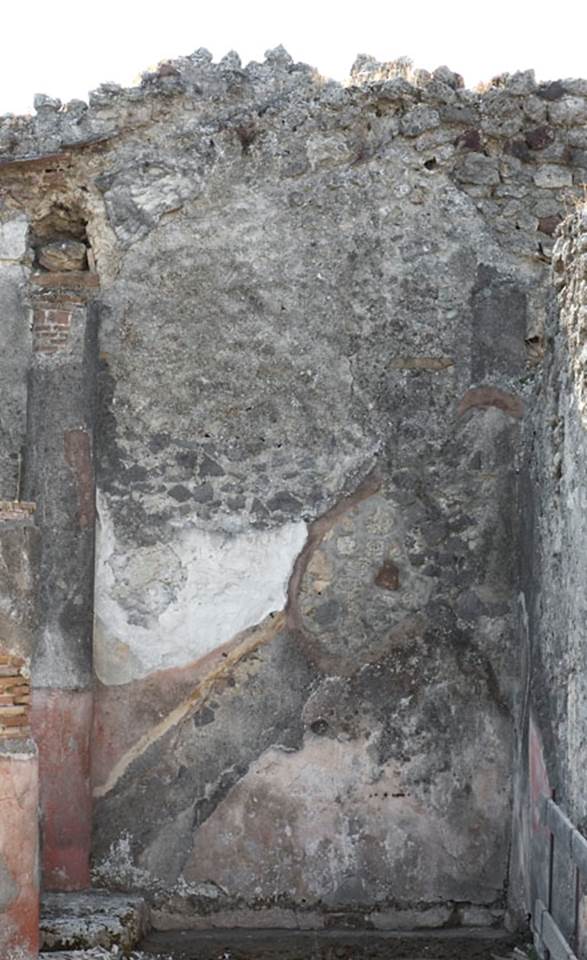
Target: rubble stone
63,255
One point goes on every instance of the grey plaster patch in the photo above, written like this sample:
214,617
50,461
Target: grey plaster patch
136,204
13,239
8,887
13,365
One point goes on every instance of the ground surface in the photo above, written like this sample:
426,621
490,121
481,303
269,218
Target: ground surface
330,945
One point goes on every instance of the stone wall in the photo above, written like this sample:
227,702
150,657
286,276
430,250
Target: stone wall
553,598
321,322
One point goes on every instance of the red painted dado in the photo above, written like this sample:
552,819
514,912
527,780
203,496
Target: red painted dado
125,713
61,721
19,843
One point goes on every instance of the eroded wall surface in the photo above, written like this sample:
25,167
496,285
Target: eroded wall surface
554,598
321,316
16,340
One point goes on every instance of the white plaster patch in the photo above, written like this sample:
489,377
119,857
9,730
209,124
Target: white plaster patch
166,606
13,234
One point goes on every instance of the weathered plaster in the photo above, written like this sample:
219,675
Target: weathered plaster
13,239
110,759
14,360
341,823
19,848
322,314
61,721
167,605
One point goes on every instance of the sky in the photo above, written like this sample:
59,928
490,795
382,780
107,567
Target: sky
67,47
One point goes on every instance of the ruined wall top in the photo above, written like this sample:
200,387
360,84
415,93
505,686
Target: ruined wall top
428,100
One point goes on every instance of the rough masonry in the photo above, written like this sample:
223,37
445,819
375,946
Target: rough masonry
285,384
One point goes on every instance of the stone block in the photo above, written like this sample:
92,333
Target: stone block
63,255
477,168
552,176
83,921
418,120
569,111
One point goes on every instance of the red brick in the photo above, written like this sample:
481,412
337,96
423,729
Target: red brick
62,317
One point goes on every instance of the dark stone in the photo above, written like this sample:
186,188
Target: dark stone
576,157
203,494
471,140
158,442
284,502
209,467
179,493
319,726
518,149
136,472
259,510
203,717
327,613
167,69
548,225
387,576
187,458
539,138
458,113
551,91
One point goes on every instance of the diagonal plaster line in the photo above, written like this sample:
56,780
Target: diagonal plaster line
252,638
250,642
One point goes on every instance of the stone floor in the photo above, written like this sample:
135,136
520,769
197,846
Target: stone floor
101,926
455,944
279,949
98,953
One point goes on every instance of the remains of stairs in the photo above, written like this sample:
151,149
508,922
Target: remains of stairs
92,925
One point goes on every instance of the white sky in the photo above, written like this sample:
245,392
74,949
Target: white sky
67,47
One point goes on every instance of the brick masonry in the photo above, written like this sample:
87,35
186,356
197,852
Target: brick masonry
15,509
51,328
14,670
14,697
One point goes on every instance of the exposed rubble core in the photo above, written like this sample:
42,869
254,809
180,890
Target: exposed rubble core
304,428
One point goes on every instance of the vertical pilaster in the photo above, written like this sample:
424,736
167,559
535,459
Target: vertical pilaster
19,787
59,474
